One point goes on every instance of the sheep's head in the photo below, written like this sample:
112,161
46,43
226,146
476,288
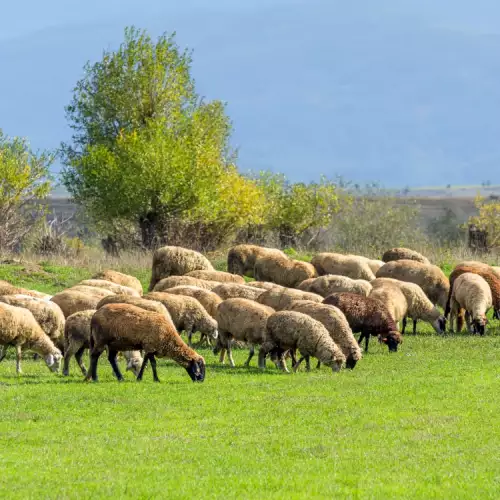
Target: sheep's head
479,325
134,364
332,361
196,369
53,361
439,325
392,339
350,363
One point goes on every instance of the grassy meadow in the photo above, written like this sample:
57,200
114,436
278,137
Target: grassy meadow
420,423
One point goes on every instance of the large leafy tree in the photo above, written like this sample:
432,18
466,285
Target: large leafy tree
24,181
146,149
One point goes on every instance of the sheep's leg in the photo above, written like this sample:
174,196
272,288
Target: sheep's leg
415,327
264,350
250,355
470,327
293,355
3,352
230,352
112,361
308,363
222,357
153,367
318,366
94,360
143,367
282,363
367,341
19,352
404,325
78,357
295,367
70,350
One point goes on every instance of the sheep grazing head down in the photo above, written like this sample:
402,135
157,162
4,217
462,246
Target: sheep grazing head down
53,361
196,370
479,325
134,365
439,325
350,363
392,339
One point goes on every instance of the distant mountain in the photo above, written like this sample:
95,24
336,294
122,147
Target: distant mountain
404,93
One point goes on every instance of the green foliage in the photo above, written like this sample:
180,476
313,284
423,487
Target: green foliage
446,229
24,181
488,219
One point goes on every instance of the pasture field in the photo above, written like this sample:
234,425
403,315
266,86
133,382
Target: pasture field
420,423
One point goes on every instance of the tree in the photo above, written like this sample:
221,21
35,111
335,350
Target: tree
146,149
24,181
487,219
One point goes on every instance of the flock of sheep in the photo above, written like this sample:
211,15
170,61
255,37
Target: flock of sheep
315,308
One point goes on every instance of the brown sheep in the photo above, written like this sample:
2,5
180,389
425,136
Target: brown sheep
147,305
112,287
282,299
351,266
241,258
283,271
120,279
219,276
72,301
234,291
176,261
404,254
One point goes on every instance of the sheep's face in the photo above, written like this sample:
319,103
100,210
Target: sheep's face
392,340
439,325
134,364
350,363
479,325
53,361
196,370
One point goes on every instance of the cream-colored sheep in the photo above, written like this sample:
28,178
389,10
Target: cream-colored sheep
496,270
391,295
335,322
48,315
404,254
174,281
112,287
283,270
92,291
208,299
430,278
121,327
331,283
472,293
72,301
281,299
219,276
344,265
235,291
120,279
19,328
290,330
241,258
187,314
147,305
176,261
7,289
243,320
266,285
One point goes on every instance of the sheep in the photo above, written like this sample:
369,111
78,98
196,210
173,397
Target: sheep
241,258
112,287
282,270
120,279
391,295
174,281
48,315
176,261
92,291
335,322
77,339
404,254
208,299
471,292
419,305
71,301
485,272
496,270
121,327
7,289
374,264
367,316
331,283
147,305
219,276
266,285
429,277
243,320
345,265
19,328
187,314
233,290
290,330
279,300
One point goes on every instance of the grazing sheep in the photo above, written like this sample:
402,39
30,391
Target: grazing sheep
290,330
176,261
281,299
266,285
472,293
367,316
430,278
345,265
19,328
391,295
404,254
72,301
147,305
77,339
187,314
8,289
92,291
235,291
174,281
331,283
48,315
219,276
487,274
121,327
335,322
283,270
112,287
120,279
243,320
241,258
208,299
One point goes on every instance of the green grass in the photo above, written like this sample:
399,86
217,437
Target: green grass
420,423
